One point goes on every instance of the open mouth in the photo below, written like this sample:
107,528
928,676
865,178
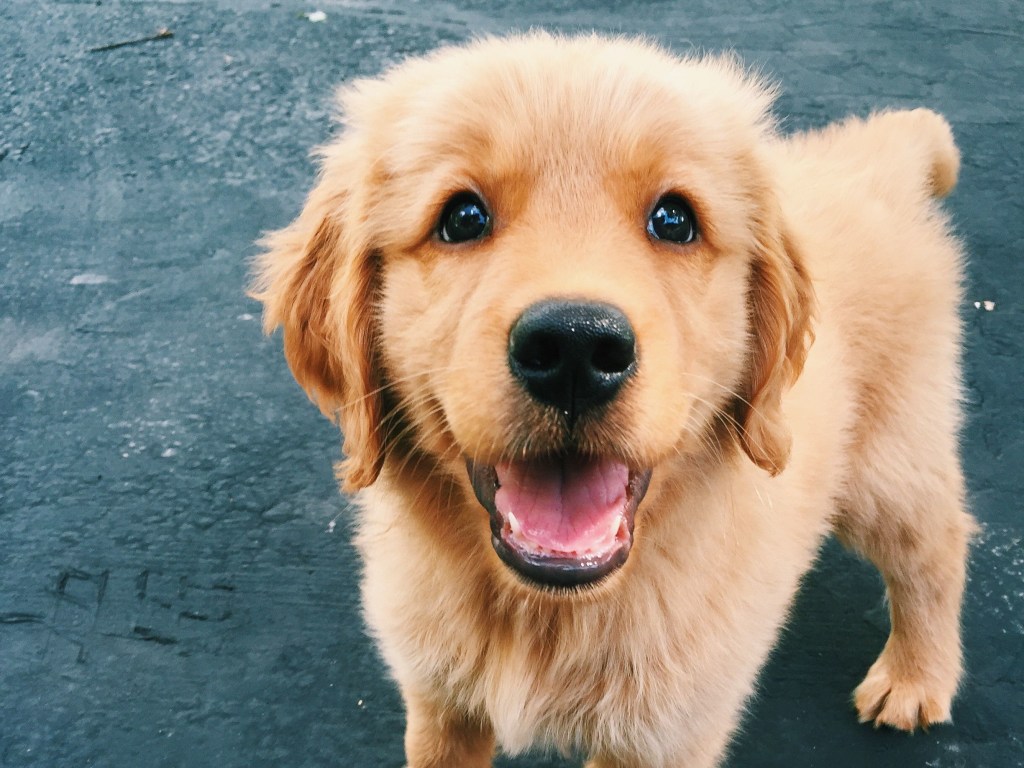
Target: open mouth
563,520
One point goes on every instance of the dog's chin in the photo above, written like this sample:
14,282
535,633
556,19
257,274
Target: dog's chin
561,521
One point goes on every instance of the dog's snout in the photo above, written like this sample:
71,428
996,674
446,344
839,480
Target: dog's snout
574,355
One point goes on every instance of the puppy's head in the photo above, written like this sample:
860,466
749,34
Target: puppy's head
550,267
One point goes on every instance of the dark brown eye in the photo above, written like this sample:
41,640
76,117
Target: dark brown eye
464,218
672,219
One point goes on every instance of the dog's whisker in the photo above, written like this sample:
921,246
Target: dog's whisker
733,393
395,383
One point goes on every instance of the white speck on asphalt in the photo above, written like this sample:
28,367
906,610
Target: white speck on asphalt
89,278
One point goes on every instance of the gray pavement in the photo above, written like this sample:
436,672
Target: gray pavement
176,583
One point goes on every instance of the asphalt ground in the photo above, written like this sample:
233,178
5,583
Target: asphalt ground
177,586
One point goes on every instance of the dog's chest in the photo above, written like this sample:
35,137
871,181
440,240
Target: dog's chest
567,679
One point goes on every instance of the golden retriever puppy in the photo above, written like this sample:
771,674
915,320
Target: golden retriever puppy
611,358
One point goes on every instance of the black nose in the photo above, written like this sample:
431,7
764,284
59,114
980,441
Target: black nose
574,355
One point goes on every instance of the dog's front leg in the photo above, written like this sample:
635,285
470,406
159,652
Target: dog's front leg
704,759
438,737
704,751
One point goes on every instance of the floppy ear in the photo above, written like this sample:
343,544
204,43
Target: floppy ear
317,279
782,305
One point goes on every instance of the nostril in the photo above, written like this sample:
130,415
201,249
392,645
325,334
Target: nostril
614,355
538,352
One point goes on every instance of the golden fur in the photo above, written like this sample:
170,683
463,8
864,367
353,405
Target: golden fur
799,376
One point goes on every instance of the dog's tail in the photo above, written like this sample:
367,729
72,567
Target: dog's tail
903,154
922,135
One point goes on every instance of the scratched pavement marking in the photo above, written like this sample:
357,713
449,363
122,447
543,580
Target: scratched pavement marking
144,605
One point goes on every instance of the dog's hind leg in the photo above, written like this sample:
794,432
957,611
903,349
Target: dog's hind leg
906,514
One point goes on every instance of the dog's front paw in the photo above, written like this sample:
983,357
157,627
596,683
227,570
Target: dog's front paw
902,699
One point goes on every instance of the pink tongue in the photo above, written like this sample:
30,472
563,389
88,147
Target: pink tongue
570,506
